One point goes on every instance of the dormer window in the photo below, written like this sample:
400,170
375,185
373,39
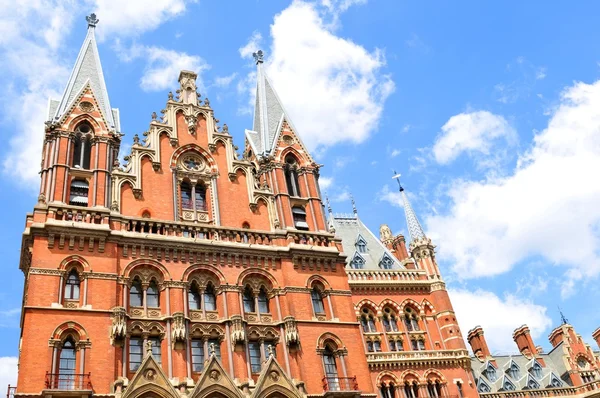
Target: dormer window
299,218
536,370
513,371
490,373
357,262
482,387
532,384
386,262
361,245
507,385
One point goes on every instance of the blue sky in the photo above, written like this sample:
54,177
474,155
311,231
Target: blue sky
491,112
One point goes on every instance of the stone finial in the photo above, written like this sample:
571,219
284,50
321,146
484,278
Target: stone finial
92,20
212,349
187,88
154,116
148,347
270,351
258,56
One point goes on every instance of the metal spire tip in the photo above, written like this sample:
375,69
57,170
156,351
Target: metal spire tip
397,178
258,57
92,20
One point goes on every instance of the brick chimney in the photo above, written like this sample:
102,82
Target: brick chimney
596,336
395,244
556,336
478,343
522,337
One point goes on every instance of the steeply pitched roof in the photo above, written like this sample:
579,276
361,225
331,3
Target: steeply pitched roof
87,71
350,229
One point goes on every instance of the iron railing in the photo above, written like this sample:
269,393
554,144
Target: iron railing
70,382
340,384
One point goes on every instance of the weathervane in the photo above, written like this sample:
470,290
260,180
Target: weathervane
397,178
562,317
92,20
258,56
328,204
353,205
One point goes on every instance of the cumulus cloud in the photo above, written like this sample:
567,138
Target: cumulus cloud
473,132
253,45
509,312
548,207
8,371
224,81
40,28
325,182
336,81
163,67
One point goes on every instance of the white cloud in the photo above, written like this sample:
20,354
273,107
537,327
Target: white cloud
224,81
40,28
325,182
134,17
395,152
406,128
163,67
8,371
342,196
470,132
336,81
393,197
252,46
499,317
548,207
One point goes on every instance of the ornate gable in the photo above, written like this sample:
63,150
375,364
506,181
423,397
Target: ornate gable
274,379
215,379
150,378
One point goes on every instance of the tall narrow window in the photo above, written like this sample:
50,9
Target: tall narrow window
390,322
291,176
249,305
317,301
72,286
135,353
78,194
331,373
186,196
136,294
460,389
82,147
255,358
263,301
156,351
210,300
153,294
197,355
194,300
200,197
66,366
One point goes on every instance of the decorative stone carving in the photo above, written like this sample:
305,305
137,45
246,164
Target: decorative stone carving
292,337
86,106
118,329
42,199
238,334
191,121
178,330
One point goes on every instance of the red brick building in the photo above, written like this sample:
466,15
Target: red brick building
193,271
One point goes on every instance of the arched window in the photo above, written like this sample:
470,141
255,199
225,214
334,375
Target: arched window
291,176
431,390
367,320
186,196
66,365
390,321
460,389
72,286
78,193
249,305
82,147
388,391
357,262
317,300
411,390
136,294
210,299
386,262
411,320
263,301
153,295
194,299
331,373
200,197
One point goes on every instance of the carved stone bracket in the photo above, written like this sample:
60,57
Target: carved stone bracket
137,193
238,334
118,330
156,166
292,337
212,148
178,331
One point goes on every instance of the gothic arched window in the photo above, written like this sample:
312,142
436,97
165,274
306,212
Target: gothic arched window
186,196
367,320
72,286
82,147
200,197
249,305
210,299
291,176
66,365
331,373
317,300
153,295
78,195
194,299
263,301
136,293
390,321
410,320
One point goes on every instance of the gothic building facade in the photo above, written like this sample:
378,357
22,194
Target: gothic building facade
195,271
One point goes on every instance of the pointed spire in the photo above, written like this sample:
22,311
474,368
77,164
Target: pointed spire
414,227
87,71
354,210
269,113
328,204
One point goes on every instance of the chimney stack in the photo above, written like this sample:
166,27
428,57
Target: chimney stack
478,343
522,337
596,336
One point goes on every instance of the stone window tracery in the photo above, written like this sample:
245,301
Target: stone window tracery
367,321
66,365
193,176
72,285
411,320
82,146
291,175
